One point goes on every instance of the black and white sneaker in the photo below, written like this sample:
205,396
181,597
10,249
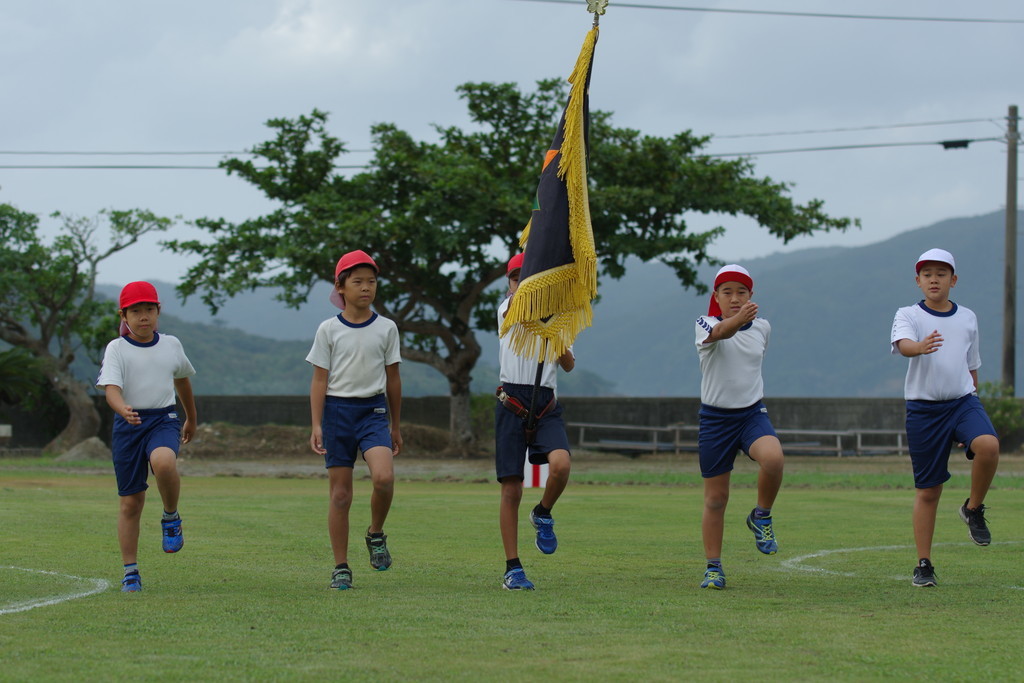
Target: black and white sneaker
341,579
924,575
977,528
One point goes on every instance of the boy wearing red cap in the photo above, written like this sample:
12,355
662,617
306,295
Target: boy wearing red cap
731,342
941,340
356,385
142,371
549,445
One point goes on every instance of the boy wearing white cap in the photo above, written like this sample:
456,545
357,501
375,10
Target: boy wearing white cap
941,340
731,342
142,371
356,386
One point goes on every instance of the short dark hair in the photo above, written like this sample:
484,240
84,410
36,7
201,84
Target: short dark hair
343,275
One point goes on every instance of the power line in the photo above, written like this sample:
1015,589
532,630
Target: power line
850,129
109,153
133,167
136,153
779,13
948,144
810,131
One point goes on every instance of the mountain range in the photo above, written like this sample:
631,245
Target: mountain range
830,308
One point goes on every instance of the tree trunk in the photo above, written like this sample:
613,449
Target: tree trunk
83,418
462,440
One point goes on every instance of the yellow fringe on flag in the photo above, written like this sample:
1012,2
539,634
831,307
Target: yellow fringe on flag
562,295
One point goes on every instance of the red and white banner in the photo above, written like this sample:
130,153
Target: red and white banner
535,476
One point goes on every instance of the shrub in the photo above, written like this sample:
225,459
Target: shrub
1005,411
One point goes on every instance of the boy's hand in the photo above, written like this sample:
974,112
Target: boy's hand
130,416
931,343
188,430
316,441
747,312
396,441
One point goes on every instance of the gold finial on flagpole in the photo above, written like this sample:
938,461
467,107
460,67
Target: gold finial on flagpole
597,8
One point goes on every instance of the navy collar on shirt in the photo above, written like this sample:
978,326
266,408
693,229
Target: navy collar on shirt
939,314
363,324
745,327
151,342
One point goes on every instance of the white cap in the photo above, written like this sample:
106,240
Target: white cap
937,255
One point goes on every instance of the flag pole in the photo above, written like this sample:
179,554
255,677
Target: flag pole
531,418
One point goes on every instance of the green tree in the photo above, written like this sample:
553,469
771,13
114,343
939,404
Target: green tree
441,218
21,377
48,304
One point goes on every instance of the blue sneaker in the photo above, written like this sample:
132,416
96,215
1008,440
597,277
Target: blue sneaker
515,580
173,540
764,536
131,583
714,578
545,526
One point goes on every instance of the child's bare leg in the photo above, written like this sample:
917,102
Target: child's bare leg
128,516
926,504
340,481
767,452
165,468
712,524
983,468
381,462
559,464
508,517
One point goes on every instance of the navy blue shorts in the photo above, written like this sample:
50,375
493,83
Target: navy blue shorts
933,426
131,446
353,425
724,431
510,439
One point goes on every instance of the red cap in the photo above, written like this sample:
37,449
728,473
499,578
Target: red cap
729,273
138,293
347,262
514,263
353,259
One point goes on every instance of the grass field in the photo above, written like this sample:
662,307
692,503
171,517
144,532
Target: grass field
247,598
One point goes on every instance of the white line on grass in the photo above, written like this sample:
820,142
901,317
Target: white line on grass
98,586
797,563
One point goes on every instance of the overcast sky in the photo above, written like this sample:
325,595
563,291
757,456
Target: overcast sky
130,76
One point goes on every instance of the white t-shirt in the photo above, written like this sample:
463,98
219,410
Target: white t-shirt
145,372
945,374
355,355
518,370
731,368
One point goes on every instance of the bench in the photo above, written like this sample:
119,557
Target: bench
658,439
682,437
821,440
885,447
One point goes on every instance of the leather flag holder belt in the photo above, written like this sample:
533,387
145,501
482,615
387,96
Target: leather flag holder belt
516,407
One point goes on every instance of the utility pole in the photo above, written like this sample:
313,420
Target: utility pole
1010,274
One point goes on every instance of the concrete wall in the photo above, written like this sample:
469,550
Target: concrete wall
33,430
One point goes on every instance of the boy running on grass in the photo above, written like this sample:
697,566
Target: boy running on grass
355,386
941,340
731,342
550,444
142,371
